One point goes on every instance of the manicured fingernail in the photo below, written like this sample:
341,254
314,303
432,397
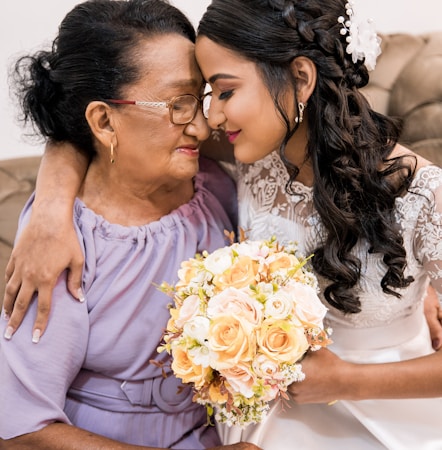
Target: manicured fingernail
36,336
80,295
436,343
5,315
8,333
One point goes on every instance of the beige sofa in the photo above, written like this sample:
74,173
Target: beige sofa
406,82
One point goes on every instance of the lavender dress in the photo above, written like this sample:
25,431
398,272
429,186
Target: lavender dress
93,366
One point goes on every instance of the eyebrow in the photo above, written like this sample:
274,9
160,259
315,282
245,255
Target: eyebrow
223,76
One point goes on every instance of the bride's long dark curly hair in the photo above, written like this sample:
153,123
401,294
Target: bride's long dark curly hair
349,144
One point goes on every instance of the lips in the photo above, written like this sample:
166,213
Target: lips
232,135
190,151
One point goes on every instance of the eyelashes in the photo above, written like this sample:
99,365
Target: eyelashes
225,95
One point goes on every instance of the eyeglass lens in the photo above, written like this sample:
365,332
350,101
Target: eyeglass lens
184,108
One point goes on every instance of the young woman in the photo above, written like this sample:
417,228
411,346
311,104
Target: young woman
318,166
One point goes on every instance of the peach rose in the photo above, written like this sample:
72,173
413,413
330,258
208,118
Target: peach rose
241,273
282,341
281,262
184,368
187,271
241,379
308,306
231,340
232,301
217,393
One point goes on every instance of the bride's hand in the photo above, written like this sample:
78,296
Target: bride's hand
238,446
325,375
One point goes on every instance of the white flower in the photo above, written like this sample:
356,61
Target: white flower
198,329
218,261
363,42
280,305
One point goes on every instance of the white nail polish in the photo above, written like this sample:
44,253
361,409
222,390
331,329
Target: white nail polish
8,333
80,295
36,336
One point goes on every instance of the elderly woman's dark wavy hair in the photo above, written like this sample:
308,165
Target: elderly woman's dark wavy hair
356,183
93,57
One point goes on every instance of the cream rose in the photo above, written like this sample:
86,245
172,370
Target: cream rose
282,341
235,302
189,309
231,341
241,379
308,306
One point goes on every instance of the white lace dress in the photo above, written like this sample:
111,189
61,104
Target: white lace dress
387,328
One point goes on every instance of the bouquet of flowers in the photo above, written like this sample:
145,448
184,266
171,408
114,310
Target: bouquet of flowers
243,318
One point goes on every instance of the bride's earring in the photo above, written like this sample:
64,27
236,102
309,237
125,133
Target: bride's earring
301,107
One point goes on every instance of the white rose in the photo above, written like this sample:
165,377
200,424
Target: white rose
279,305
197,328
218,261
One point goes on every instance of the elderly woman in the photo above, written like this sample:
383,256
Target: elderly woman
121,84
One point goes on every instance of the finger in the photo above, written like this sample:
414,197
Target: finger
435,328
74,281
18,309
12,288
43,310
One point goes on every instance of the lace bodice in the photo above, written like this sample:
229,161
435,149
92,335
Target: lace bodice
265,209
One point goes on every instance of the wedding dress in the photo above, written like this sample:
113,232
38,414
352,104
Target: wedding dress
387,328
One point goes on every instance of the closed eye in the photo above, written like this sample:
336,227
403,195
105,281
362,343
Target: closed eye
225,95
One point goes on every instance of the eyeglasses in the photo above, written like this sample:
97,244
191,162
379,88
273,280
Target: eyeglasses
182,109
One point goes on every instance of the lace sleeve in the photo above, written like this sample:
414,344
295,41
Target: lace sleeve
428,233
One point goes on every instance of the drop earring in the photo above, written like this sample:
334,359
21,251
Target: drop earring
112,159
301,107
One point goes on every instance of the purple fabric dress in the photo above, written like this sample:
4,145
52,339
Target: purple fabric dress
92,367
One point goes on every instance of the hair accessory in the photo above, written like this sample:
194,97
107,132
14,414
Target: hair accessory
301,107
112,159
363,42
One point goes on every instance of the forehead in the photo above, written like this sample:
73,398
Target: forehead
214,58
167,61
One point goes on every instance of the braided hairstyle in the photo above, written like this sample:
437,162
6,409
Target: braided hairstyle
349,144
94,56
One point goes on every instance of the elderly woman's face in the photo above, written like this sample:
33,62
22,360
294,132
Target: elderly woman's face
150,146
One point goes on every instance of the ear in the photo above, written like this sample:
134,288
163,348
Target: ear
304,70
100,117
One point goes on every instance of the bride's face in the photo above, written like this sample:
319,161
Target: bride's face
241,103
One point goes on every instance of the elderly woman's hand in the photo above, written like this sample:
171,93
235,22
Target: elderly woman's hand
39,257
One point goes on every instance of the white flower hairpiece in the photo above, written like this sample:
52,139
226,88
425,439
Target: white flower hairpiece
363,42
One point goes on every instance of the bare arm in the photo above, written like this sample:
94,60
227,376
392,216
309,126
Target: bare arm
49,237
60,436
414,378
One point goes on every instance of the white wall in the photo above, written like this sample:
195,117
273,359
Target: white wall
27,24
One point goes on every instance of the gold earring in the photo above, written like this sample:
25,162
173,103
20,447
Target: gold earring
112,159
301,107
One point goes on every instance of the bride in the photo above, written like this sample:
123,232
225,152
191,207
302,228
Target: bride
316,165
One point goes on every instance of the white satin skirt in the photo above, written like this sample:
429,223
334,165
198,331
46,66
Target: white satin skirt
409,424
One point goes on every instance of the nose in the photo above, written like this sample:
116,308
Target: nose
198,127
216,117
